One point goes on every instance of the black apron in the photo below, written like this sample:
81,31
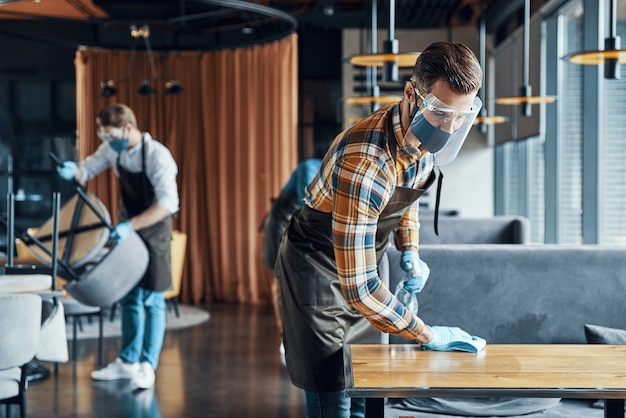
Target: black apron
317,320
137,195
274,224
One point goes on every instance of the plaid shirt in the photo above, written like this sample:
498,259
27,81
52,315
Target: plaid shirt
357,178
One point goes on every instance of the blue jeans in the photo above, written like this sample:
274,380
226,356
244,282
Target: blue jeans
143,326
333,405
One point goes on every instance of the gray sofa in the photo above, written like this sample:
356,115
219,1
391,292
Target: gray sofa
508,293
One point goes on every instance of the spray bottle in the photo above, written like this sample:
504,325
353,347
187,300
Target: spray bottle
405,297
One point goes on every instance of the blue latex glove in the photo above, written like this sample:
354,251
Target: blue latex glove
453,339
121,231
67,170
416,269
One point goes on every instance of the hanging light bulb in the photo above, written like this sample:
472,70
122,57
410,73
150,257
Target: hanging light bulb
108,88
173,87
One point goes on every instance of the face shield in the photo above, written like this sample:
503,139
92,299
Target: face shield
441,128
111,135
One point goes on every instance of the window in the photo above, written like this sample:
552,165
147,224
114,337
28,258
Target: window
570,122
612,158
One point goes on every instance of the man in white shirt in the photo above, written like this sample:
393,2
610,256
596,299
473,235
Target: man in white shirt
147,173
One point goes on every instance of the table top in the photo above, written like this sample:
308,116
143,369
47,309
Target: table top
519,370
25,283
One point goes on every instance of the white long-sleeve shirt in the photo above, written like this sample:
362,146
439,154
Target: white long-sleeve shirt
161,168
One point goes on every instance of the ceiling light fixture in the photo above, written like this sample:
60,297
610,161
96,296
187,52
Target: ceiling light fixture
390,59
483,120
108,88
142,32
526,99
173,87
374,99
611,56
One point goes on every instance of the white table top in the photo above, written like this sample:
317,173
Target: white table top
25,283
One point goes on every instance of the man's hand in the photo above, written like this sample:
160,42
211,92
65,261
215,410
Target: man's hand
67,171
453,339
121,231
417,271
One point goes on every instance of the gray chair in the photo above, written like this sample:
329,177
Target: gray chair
98,274
20,327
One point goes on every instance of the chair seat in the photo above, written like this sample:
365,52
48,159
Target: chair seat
108,281
9,382
73,307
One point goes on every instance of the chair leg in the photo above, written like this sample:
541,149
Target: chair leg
175,304
74,342
100,338
22,395
113,311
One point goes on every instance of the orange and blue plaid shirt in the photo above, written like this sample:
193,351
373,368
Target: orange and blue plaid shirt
356,180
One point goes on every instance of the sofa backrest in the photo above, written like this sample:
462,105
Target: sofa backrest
521,293
460,230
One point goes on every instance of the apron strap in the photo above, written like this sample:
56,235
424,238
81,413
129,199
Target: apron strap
437,199
391,139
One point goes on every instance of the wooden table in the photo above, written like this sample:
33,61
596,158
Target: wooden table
377,371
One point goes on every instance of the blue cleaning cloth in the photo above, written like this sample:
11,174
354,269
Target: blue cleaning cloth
474,345
453,339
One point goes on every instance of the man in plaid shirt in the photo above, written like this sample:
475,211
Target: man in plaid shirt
366,188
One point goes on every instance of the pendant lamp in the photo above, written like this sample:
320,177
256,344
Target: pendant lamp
390,59
374,100
109,86
483,120
526,99
611,56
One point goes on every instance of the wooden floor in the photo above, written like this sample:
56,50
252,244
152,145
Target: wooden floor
229,366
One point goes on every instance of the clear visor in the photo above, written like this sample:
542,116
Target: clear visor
441,128
112,135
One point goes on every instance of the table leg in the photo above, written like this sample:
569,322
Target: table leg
613,408
375,407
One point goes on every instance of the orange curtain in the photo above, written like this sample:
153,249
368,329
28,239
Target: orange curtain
233,133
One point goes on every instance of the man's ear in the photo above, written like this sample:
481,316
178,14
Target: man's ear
409,91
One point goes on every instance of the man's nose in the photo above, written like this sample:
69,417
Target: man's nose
450,125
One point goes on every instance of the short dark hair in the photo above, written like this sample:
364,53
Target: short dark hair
116,114
453,62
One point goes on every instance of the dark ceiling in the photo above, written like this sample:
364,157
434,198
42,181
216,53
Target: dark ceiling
213,24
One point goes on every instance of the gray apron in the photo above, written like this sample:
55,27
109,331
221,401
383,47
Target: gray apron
317,320
137,195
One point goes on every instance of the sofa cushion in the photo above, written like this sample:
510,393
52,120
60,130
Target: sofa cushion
596,334
478,407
